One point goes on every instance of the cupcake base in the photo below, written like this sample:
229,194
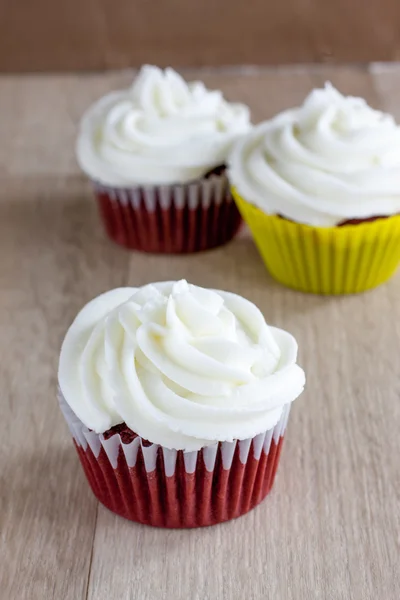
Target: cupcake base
155,486
182,500
170,219
325,260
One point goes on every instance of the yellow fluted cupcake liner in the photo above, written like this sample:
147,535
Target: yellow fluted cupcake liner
325,260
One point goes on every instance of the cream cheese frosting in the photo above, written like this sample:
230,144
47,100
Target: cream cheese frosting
330,160
161,130
181,365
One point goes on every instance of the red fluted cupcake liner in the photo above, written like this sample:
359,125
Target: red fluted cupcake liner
170,218
153,485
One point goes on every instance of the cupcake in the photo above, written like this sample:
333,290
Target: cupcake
156,156
319,187
177,398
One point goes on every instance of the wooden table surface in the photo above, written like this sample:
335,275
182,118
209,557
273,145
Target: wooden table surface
330,528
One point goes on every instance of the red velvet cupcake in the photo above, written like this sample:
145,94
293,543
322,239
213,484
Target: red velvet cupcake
156,156
319,187
177,399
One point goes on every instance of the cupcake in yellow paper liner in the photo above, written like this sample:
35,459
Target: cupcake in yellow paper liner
319,187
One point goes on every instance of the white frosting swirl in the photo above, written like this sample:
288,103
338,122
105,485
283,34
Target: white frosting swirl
330,160
162,130
182,366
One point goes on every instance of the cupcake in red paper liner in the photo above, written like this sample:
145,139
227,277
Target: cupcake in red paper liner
156,154
177,398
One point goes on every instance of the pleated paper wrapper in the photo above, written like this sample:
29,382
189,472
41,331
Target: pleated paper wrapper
153,485
170,218
325,260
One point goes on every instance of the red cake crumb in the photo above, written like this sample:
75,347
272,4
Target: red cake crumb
126,433
358,221
347,221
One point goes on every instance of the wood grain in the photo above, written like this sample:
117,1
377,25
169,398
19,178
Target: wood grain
330,528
